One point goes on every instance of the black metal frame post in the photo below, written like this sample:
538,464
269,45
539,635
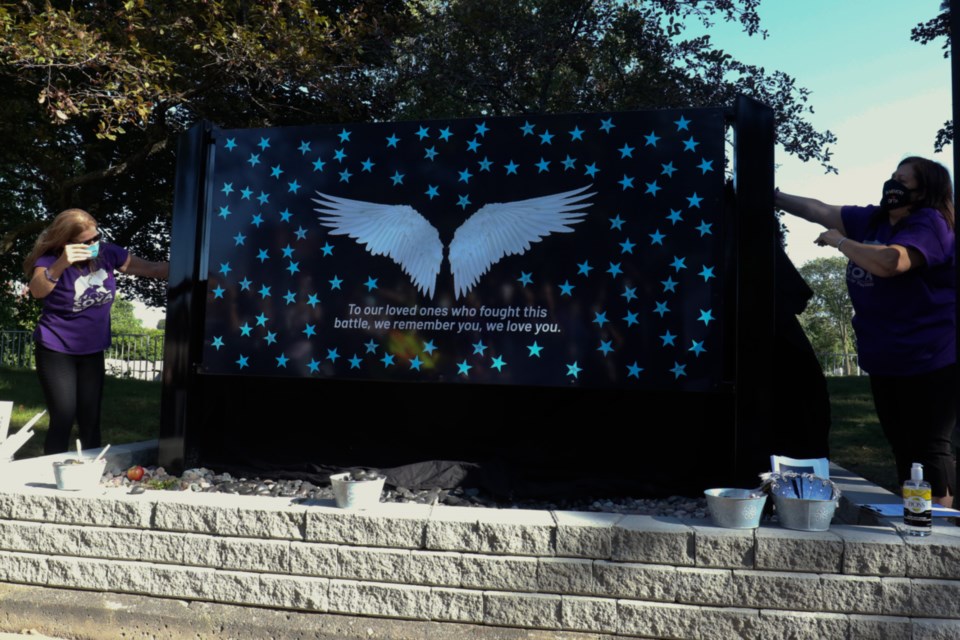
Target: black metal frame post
955,84
183,342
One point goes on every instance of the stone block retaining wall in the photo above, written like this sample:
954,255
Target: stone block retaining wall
636,576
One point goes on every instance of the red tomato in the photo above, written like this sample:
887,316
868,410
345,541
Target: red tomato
135,472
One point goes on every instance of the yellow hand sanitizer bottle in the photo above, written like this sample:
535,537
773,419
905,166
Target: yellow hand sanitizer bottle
917,503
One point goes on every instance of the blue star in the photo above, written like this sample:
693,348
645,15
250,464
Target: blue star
697,348
694,200
463,367
652,188
282,360
225,268
627,183
293,267
473,145
239,239
706,316
318,164
525,278
675,216
591,170
511,167
263,198
626,151
485,164
254,159
543,165
706,273
445,134
423,132
668,169
301,233
465,176
429,347
245,284
678,370
217,342
304,147
275,171
630,293
566,289
261,319
432,191
498,364
678,263
631,318
397,178
607,125
332,355
573,369
245,329
367,165
313,365
335,282
327,249
463,202
262,256
290,297
704,228
264,144
224,212
310,330
606,346
652,139
415,363
245,193
669,284
393,140
339,155
313,300
576,134
287,251
546,137
705,165
600,318
218,292
616,223
271,337
527,129
344,135
345,175
690,145
479,348
354,362
534,349
657,238
661,308
633,370
569,163
371,346
614,269
242,361
682,123
482,129
285,214
371,283
584,268
230,144
227,188
668,338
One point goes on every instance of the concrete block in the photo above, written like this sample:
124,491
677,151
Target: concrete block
435,568
852,594
879,627
168,547
585,534
934,556
456,605
262,556
388,525
294,592
188,583
314,559
566,576
524,610
935,598
795,624
378,565
80,573
278,520
781,549
871,551
655,540
92,542
642,581
497,531
777,590
897,596
233,587
27,568
191,518
720,548
730,622
658,620
18,535
120,511
705,587
379,599
925,629
499,573
589,614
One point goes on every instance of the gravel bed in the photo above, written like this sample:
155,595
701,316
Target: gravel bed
205,480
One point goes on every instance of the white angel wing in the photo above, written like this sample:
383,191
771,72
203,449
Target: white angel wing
497,230
394,230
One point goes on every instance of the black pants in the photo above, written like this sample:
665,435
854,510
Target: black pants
73,388
918,414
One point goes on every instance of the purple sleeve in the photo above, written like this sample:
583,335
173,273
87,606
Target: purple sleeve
45,260
113,256
927,232
856,220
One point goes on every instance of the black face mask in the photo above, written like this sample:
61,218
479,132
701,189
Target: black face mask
895,195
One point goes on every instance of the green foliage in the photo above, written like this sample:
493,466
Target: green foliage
826,320
925,33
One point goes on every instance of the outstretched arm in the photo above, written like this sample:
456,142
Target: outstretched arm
882,260
139,267
826,215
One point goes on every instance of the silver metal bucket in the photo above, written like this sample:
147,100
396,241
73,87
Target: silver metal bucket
735,508
804,515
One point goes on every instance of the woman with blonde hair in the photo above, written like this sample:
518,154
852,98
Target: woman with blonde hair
71,270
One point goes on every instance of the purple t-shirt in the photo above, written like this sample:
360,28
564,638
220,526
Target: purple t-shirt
76,314
905,324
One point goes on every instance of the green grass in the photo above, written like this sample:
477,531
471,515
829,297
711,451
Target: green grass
131,409
131,412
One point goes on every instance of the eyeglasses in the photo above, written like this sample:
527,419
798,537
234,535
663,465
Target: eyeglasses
95,239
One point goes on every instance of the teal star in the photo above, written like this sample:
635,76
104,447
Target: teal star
600,317
282,360
393,140
706,316
657,238
546,137
431,153
429,347
678,370
697,348
479,348
525,278
652,139
627,247
569,163
313,365
534,349
678,263
423,132
616,223
217,342
682,123
332,355
694,200
327,249
387,359
630,293
415,363
335,282
607,125
371,346
566,289
584,268
445,134
498,364
626,151
371,283
704,228
344,135
690,144
627,183
661,308
706,273
633,370
669,284
245,329
606,346
304,147
527,129
463,368
397,178
574,369
511,168
354,362
591,170
242,361
218,292
615,269
271,337
668,338
432,191
230,144
631,318
310,330
576,134
668,169
367,165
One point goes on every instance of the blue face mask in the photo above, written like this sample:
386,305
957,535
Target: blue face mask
94,249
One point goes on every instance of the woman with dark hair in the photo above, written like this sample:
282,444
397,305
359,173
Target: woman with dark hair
901,277
71,270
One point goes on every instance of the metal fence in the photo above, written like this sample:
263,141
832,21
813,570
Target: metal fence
129,355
